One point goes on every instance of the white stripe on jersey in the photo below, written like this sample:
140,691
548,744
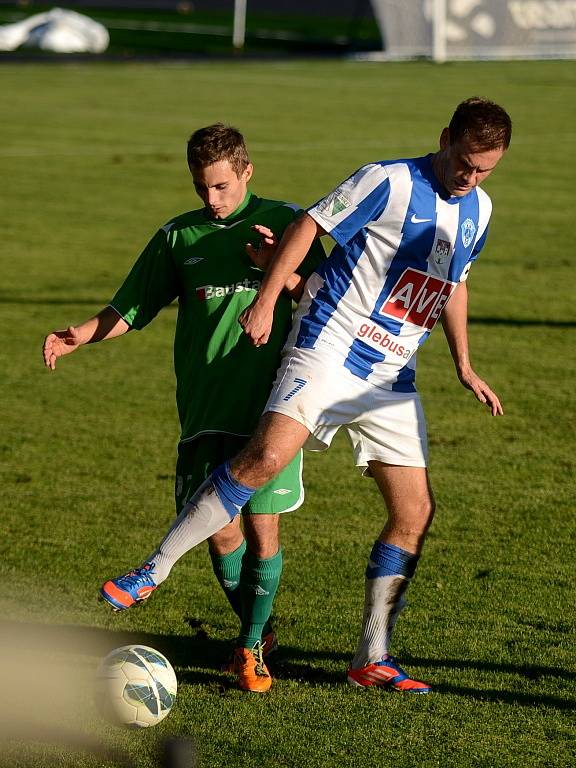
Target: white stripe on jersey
343,201
485,213
447,218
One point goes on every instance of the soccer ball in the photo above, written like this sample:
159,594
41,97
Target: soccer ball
135,686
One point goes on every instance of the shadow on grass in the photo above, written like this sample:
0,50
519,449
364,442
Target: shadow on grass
507,697
521,322
198,659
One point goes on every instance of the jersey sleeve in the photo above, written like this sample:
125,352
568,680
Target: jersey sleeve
485,211
358,200
479,245
150,285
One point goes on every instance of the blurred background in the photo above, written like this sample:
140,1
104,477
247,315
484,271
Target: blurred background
393,29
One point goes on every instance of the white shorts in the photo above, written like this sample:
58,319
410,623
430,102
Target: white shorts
323,395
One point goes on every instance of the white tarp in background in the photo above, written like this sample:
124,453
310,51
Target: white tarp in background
470,29
57,30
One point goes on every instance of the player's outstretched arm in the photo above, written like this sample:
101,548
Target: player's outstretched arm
455,324
107,324
295,244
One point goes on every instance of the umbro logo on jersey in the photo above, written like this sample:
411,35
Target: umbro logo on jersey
194,260
282,491
416,220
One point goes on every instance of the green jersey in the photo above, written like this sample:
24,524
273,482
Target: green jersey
222,380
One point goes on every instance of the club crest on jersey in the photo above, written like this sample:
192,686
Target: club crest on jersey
418,298
442,251
468,230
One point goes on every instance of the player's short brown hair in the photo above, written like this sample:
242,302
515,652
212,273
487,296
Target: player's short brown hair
215,143
482,123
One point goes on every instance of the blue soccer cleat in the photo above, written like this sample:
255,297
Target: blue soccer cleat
130,588
388,674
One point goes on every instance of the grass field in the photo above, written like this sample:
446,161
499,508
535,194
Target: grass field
93,162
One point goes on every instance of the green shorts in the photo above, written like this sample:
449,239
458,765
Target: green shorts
197,459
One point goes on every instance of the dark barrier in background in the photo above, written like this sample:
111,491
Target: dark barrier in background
205,27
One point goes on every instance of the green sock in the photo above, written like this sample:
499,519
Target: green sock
228,569
258,584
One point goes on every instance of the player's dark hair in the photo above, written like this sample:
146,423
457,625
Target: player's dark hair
482,123
215,143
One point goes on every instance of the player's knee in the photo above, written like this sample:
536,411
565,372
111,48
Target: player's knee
264,548
429,508
262,462
272,462
412,523
425,514
227,539
262,535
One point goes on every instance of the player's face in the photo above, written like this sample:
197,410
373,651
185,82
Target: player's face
463,167
219,187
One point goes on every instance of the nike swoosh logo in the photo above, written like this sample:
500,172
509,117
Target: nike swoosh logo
416,220
194,260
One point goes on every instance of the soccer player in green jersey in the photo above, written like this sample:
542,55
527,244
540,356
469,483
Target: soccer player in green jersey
203,258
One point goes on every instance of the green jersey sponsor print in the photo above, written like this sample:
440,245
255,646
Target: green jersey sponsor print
223,381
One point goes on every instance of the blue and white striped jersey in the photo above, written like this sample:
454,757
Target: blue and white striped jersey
401,248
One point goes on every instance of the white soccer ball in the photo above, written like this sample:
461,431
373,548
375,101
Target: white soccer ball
135,686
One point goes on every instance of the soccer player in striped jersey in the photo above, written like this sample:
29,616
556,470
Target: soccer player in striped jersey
407,233
201,258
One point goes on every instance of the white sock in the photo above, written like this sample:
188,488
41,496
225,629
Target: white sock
383,601
203,516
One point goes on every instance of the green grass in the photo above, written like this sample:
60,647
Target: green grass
93,163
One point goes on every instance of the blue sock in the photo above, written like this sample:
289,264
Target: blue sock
231,493
388,560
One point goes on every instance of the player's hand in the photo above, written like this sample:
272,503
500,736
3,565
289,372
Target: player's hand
58,344
256,320
263,252
482,391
